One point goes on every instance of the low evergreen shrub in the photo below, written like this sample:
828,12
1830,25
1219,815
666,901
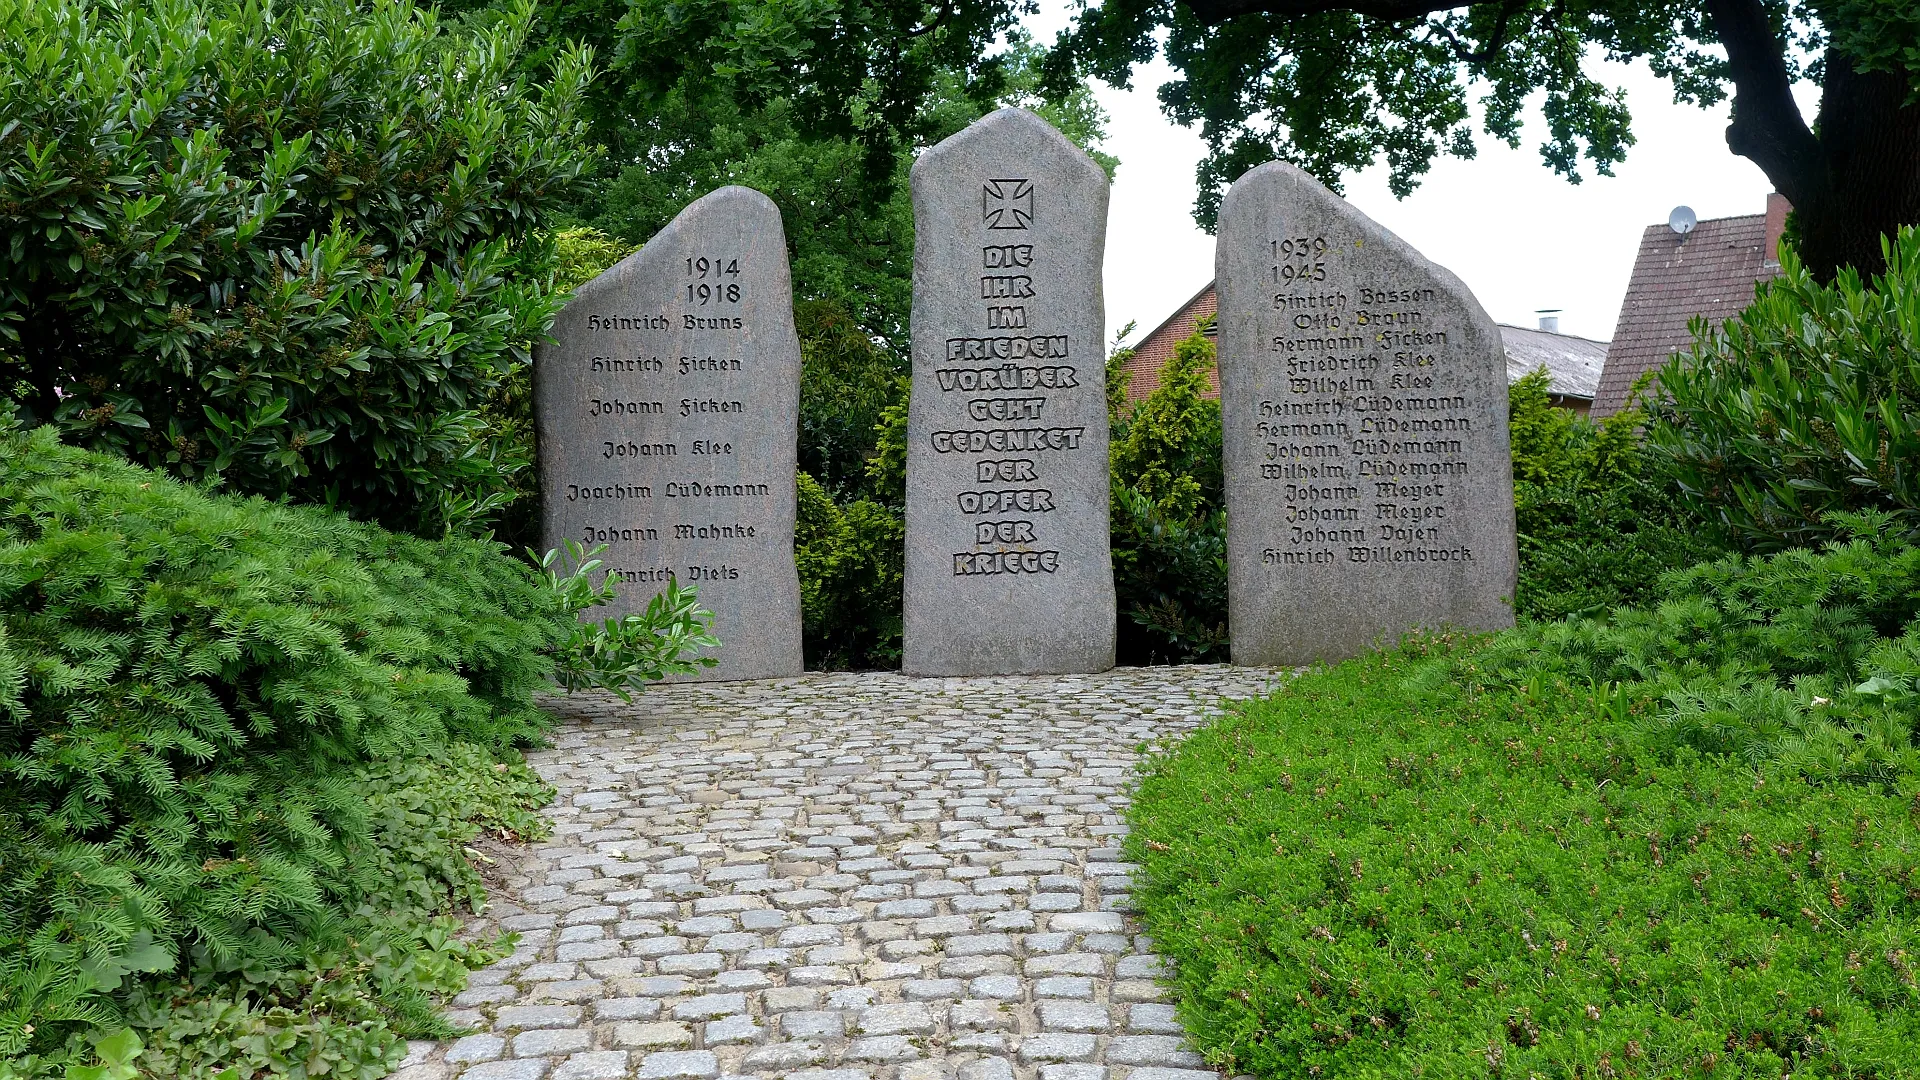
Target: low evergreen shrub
1804,405
1599,518
239,742
1681,841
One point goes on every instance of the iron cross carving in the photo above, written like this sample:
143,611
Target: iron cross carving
1007,204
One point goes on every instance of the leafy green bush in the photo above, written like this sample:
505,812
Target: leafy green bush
1599,518
192,688
293,246
1683,841
1169,520
1804,405
852,564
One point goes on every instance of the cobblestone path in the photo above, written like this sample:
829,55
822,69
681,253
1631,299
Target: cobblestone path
839,877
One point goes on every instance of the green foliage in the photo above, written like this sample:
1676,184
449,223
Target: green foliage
1682,841
1598,517
581,254
852,563
831,149
193,690
1804,405
1335,86
626,653
847,382
343,1007
1169,517
887,467
287,246
1804,658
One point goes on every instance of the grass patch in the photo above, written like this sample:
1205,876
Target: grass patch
1580,850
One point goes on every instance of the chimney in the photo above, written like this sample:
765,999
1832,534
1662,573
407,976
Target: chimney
1777,207
1549,319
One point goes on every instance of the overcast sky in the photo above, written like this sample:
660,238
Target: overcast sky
1521,237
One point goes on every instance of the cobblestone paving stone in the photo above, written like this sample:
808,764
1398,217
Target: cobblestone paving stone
837,877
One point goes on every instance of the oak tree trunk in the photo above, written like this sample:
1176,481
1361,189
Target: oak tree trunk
1869,135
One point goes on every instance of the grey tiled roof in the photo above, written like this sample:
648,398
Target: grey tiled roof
1573,363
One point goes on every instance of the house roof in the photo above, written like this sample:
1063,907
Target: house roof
1151,355
1573,363
1709,272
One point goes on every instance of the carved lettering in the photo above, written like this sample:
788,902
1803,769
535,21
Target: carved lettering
1005,562
1005,408
628,322
1011,470
597,407
1009,377
639,364
1003,532
1024,500
1002,440
1009,286
1008,348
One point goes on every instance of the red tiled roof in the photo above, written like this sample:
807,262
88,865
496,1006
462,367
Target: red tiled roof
1709,272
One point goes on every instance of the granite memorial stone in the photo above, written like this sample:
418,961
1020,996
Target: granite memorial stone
668,410
1008,568
1363,396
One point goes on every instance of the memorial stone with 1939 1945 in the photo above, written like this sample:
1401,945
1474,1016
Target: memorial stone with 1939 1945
1363,398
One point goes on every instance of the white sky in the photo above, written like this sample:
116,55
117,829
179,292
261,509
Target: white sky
1519,235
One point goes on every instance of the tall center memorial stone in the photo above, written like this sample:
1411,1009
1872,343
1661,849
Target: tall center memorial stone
668,411
1363,396
1008,568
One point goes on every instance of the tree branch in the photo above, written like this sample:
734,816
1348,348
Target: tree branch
1213,12
1477,57
1767,127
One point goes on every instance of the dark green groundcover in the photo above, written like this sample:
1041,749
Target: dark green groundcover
1454,860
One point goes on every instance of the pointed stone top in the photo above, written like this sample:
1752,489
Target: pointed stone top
1281,183
994,132
747,211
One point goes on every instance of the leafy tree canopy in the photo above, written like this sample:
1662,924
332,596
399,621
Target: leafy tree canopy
1335,85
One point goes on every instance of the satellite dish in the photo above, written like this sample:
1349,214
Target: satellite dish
1682,220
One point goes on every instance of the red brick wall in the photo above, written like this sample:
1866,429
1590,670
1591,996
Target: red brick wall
1151,355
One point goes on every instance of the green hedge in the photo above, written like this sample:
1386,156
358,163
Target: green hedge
1599,518
1684,842
192,691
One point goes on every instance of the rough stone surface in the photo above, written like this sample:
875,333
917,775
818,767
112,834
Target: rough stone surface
1363,393
668,413
1008,567
801,814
